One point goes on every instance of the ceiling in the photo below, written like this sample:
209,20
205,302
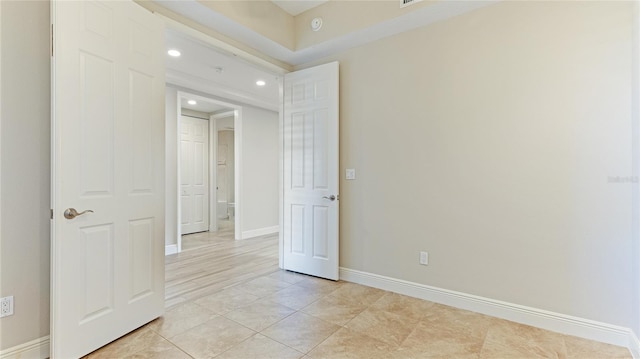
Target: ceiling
296,7
205,16
205,69
209,70
202,106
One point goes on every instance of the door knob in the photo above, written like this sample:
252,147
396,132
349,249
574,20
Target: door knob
71,213
331,198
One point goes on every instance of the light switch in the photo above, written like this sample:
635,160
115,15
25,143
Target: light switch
351,173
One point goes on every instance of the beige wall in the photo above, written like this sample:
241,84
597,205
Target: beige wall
170,167
25,169
263,17
510,121
260,163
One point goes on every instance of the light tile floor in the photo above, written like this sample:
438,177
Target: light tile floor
229,300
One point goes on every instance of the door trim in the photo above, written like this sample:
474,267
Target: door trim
281,172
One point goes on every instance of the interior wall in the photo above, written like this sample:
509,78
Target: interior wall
263,17
513,123
260,169
25,169
194,113
171,170
226,177
225,123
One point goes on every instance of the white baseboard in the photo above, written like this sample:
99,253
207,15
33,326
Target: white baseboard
35,349
260,232
170,249
544,319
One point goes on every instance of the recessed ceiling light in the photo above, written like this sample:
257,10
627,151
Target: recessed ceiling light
260,83
173,52
192,102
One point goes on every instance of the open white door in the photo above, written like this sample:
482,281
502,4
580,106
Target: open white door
107,270
194,175
310,164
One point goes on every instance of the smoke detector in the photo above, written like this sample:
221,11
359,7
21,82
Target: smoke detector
316,24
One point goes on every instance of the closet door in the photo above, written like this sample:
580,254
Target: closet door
194,174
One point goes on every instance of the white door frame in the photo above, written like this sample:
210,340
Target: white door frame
281,172
213,142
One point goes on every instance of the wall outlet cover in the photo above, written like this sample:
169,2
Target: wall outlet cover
6,306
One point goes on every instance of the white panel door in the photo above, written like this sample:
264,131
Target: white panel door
310,218
107,266
194,174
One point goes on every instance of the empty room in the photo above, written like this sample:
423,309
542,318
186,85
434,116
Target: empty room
378,179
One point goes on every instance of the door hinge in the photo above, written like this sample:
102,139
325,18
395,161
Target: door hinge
51,213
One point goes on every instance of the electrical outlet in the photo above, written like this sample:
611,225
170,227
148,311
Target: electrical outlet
424,258
6,306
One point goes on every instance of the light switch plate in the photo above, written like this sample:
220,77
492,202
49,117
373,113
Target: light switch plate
351,174
424,258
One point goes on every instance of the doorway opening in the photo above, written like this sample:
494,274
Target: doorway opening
241,119
224,134
208,169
